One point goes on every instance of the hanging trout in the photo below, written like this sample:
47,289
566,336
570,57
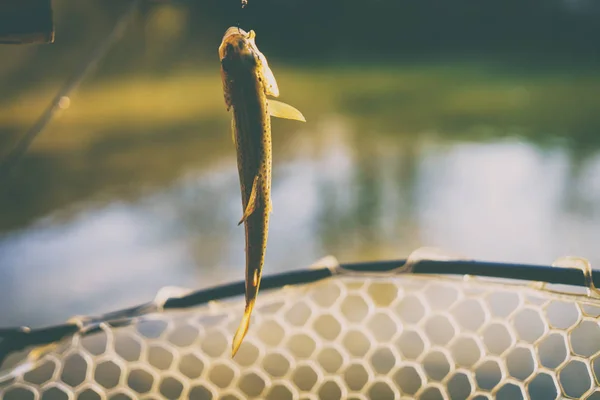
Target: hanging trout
247,81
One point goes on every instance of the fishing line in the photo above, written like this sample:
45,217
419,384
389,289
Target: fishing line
240,14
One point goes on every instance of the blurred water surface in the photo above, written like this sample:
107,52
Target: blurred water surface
135,186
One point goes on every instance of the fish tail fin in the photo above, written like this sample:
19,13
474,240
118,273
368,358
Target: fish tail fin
240,334
252,286
252,201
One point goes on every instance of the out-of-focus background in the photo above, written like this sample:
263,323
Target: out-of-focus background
467,125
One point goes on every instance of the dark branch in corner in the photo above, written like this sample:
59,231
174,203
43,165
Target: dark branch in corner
26,22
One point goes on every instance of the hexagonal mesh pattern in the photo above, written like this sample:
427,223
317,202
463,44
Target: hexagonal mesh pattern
352,337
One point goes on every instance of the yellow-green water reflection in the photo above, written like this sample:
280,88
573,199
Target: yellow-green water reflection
134,187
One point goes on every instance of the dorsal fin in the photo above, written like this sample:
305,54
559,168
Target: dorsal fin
282,110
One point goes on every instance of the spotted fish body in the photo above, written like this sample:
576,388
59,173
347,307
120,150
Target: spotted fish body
247,81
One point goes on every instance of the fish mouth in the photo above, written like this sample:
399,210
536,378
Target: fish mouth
234,30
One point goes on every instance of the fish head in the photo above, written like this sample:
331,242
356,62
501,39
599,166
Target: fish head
236,49
238,53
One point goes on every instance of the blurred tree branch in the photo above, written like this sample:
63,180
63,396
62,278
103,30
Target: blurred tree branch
26,21
58,102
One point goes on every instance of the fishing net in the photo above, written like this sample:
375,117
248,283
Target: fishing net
352,335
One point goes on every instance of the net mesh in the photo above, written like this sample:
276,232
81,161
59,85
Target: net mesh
353,337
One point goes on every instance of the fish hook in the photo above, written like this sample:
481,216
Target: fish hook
244,3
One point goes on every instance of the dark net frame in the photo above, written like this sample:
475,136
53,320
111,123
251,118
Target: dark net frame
426,328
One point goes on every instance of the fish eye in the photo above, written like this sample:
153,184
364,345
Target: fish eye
226,63
241,44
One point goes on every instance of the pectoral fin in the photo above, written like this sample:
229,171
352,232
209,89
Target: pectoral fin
282,110
233,129
252,201
272,89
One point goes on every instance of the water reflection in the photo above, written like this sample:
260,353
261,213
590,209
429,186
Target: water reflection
347,193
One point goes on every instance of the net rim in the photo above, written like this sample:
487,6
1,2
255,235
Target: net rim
15,339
